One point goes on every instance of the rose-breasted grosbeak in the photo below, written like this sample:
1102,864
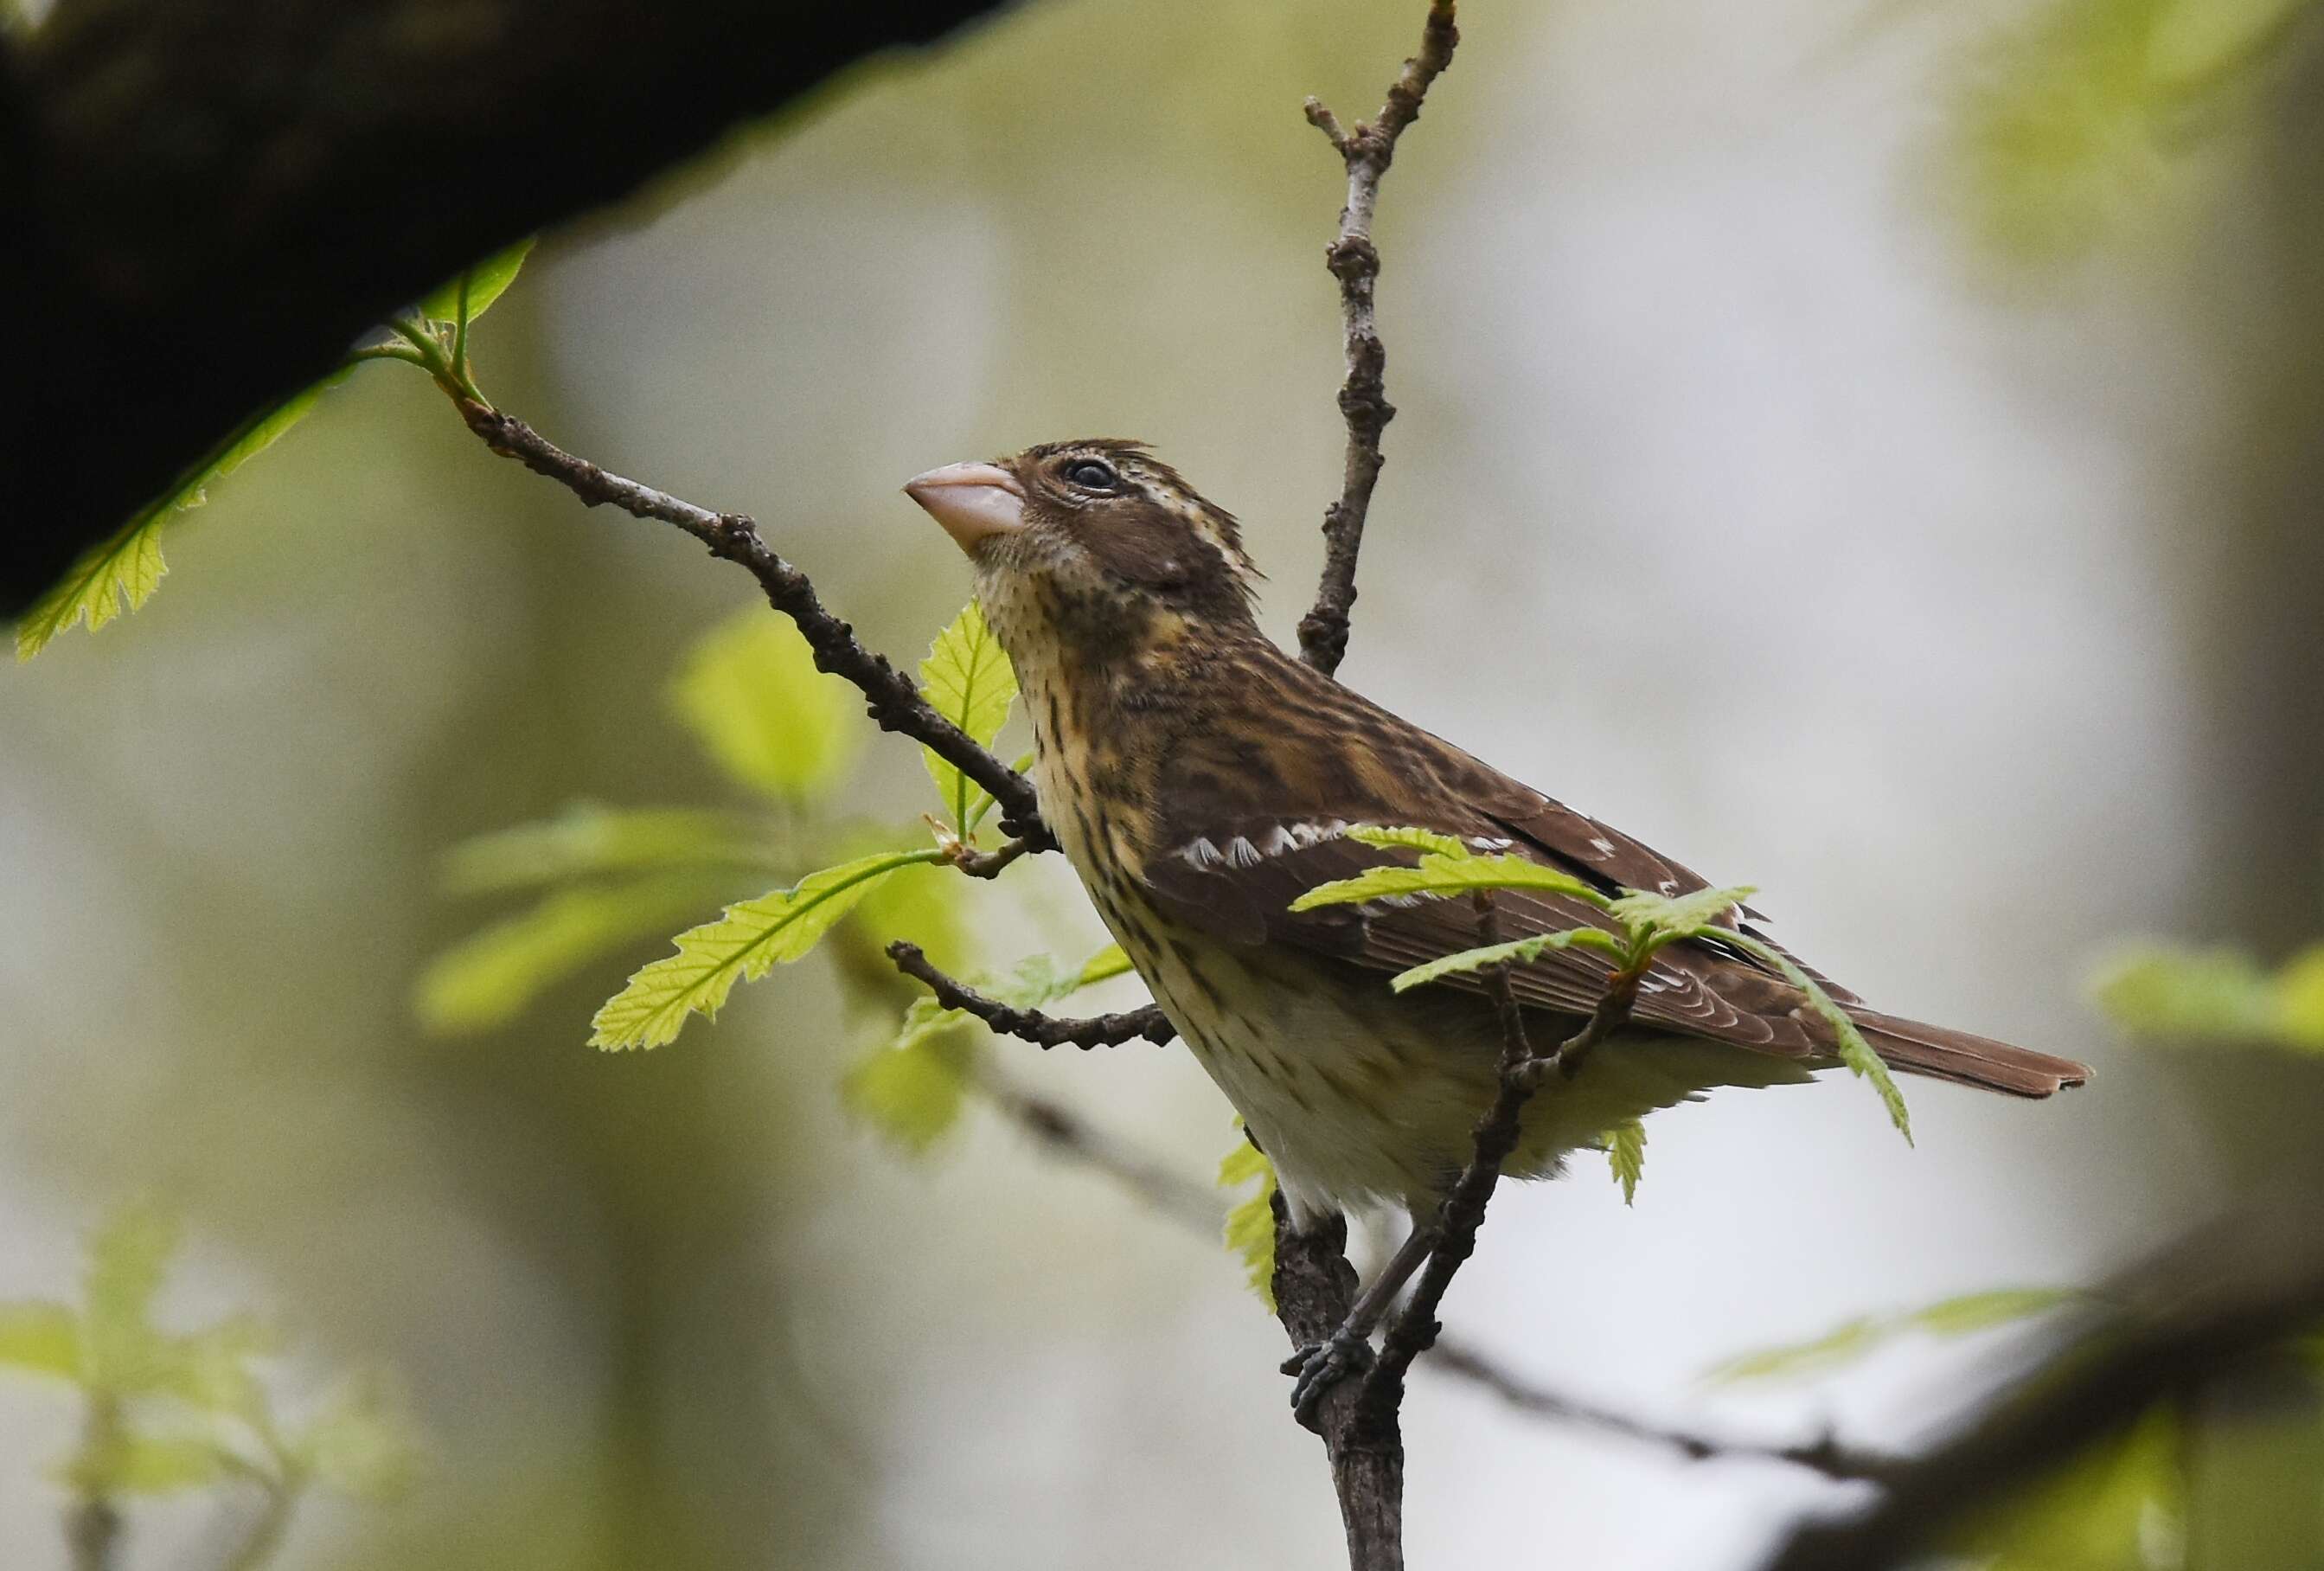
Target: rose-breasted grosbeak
1199,780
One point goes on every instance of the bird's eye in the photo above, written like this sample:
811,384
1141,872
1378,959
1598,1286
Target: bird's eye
1091,475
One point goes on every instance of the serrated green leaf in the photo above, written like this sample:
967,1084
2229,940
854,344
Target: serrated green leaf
1517,951
364,1444
40,1337
487,281
588,840
1645,914
1451,848
1626,1154
750,693
1854,1050
745,942
1959,1315
488,979
125,571
2181,995
1250,1230
1437,874
968,680
912,1094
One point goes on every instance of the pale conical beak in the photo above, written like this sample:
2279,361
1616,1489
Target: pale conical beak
971,500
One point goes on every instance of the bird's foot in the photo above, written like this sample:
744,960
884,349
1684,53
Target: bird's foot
1321,1365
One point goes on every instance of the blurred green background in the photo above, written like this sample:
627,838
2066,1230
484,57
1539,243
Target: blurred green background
1871,453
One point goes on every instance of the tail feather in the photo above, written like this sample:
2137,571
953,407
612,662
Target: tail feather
1968,1061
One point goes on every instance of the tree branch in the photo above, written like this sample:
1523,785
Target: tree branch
1314,1292
1825,1455
211,200
2158,1334
1104,1031
891,698
1367,152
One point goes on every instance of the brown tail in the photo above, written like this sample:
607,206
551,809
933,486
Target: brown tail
1957,1056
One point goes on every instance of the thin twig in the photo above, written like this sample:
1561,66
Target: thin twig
1104,1030
891,698
1367,152
1413,1329
1826,1455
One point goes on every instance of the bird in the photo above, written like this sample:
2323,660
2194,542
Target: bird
1199,780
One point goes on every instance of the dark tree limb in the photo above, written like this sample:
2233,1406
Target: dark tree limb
1366,150
1044,1030
2159,1334
891,698
1314,1291
210,199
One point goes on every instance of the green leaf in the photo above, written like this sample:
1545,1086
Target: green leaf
1438,874
745,942
489,979
1451,848
1516,951
1854,1050
1647,915
588,840
127,567
487,281
211,1369
2103,1509
365,1443
148,1464
1251,1224
912,1092
750,693
1626,1153
40,1337
1852,1339
968,678
127,1259
2218,995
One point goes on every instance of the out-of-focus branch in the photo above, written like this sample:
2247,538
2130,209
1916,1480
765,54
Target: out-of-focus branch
2158,1333
1825,1455
1367,149
891,698
1044,1030
210,199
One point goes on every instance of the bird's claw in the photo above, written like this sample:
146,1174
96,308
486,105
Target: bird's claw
1321,1365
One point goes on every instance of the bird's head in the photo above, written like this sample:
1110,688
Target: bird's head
1096,544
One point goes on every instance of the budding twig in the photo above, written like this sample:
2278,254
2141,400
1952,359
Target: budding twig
1104,1031
891,698
1367,152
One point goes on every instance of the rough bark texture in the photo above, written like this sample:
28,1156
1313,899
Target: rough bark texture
209,200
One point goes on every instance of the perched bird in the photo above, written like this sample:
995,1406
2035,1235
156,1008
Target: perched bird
1199,780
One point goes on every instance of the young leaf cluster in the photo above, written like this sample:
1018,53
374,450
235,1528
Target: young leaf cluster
121,572
1641,924
1251,1223
167,1411
911,1088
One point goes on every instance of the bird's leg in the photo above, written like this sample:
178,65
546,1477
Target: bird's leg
1322,1364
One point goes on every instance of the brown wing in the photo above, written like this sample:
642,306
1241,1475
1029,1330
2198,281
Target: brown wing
1245,825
